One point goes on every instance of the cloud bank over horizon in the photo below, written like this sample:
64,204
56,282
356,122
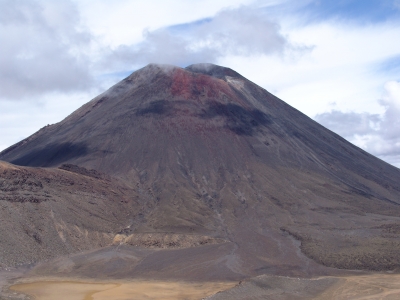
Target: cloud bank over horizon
378,134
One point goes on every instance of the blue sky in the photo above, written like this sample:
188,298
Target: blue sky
336,61
390,65
362,12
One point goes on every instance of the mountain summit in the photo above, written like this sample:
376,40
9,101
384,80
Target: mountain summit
203,154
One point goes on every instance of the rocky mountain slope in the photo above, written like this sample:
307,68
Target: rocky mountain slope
203,153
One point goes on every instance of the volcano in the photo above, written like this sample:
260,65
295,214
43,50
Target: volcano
196,173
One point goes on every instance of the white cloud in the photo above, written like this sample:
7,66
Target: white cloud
341,68
46,48
41,48
122,22
377,134
244,31
241,31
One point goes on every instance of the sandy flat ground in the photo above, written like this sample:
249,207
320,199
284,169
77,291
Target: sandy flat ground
361,287
351,287
75,290
376,286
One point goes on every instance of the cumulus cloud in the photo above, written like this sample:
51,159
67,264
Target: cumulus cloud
45,48
241,31
349,124
41,48
378,134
